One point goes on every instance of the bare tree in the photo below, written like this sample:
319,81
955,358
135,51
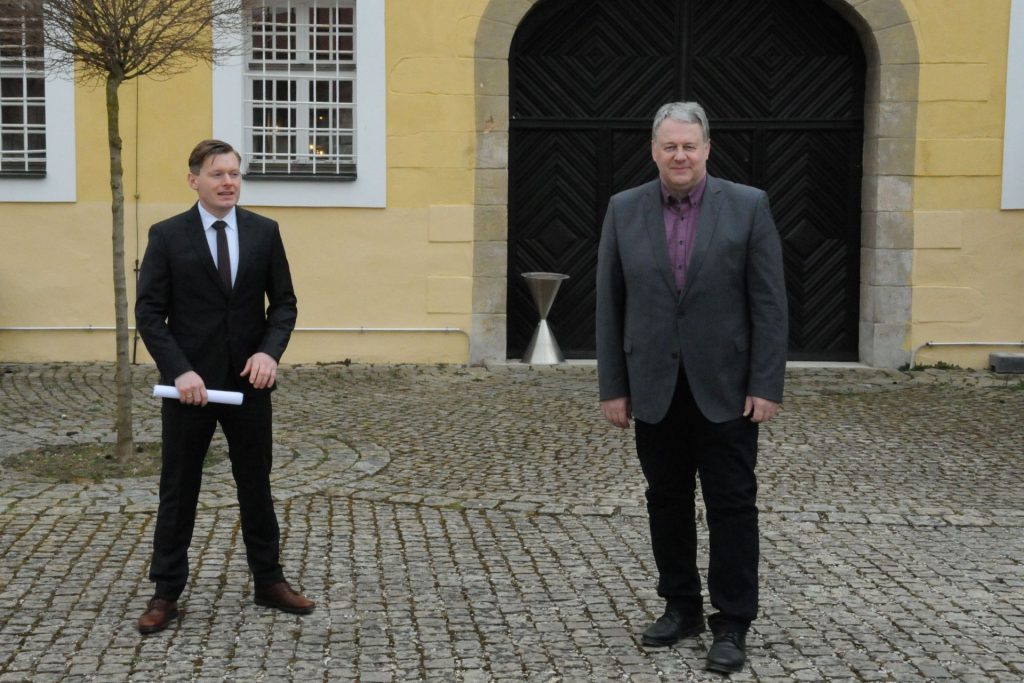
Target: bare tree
109,42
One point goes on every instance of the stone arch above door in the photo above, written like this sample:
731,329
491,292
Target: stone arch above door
890,116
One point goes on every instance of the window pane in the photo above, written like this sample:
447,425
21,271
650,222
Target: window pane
37,114
345,91
320,118
36,87
11,87
10,114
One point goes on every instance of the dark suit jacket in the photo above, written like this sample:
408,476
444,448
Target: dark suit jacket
188,318
727,327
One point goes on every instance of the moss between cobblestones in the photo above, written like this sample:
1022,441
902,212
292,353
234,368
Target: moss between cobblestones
96,462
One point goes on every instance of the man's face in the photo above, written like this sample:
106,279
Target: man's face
218,184
681,154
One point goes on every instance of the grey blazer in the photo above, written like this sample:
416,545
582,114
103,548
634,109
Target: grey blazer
727,326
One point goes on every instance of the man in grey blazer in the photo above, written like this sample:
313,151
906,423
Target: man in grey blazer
691,345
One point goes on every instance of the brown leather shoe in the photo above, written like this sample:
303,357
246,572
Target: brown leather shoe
158,615
281,596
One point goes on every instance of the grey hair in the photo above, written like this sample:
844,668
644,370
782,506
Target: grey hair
684,112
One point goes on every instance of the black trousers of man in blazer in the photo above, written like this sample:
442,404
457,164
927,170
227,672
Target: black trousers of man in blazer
190,320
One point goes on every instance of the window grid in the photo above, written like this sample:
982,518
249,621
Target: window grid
300,86
22,95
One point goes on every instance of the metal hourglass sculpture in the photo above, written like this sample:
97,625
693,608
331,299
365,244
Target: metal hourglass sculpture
543,349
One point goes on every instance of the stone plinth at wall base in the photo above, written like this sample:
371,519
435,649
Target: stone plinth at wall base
1007,362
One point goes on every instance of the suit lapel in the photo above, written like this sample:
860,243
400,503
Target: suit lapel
654,225
245,243
711,204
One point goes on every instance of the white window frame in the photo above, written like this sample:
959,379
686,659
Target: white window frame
369,189
315,81
60,182
1013,125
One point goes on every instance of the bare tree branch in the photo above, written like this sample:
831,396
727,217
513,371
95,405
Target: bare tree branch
126,39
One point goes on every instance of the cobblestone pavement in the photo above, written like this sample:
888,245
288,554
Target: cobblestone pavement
484,524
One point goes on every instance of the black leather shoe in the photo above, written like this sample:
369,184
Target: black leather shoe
671,627
728,653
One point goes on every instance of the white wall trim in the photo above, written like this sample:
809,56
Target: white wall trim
370,189
60,183
1013,135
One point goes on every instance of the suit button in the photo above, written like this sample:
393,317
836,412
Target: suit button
674,355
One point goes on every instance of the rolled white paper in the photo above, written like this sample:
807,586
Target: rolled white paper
214,395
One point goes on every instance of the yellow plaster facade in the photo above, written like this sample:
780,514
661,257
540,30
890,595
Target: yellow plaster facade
424,279
968,270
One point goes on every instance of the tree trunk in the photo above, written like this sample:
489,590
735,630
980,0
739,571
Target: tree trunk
123,375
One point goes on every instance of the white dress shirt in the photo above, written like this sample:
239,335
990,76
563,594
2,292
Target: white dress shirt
231,232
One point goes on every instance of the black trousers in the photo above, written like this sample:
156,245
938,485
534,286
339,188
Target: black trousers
187,432
672,453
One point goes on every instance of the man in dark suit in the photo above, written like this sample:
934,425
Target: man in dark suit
691,344
205,279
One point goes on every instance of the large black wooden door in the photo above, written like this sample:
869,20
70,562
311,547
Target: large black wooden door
783,85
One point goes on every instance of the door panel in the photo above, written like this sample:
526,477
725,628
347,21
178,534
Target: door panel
554,214
782,83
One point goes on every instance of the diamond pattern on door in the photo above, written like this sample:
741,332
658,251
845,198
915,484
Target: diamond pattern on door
783,84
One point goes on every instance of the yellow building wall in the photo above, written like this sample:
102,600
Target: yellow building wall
968,267
410,265
405,267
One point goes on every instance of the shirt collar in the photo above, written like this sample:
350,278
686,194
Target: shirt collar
694,197
209,219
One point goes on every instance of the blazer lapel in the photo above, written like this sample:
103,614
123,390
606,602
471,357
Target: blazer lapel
711,204
245,244
654,225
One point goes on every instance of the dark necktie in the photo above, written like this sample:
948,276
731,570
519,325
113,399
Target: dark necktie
223,255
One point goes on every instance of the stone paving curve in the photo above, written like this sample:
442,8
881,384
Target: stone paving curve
484,524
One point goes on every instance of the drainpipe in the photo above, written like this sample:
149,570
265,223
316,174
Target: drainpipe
383,329
108,328
361,330
931,344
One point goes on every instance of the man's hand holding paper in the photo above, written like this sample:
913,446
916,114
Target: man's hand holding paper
191,389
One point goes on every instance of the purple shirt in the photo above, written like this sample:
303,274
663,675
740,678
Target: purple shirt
681,216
